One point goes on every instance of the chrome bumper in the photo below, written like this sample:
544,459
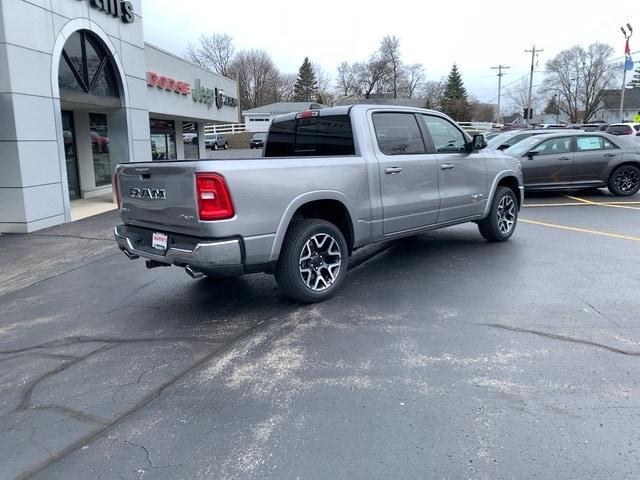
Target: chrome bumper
206,256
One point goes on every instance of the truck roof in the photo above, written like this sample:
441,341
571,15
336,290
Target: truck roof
346,109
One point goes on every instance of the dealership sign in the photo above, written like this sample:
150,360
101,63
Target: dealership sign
199,93
118,8
168,83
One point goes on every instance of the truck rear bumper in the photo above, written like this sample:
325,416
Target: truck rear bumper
208,256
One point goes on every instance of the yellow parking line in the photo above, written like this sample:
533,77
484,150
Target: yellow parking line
602,204
581,230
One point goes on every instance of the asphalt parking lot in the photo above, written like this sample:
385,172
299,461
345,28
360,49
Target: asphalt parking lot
442,357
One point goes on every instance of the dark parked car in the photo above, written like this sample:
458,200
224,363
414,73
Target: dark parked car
257,141
579,160
509,139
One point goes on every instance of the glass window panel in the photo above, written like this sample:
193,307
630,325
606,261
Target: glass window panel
190,141
66,78
100,148
94,57
445,136
73,49
163,140
589,143
105,85
398,133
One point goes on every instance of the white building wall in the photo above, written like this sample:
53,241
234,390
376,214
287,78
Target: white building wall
33,177
258,122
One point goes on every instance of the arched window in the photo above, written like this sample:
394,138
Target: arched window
86,66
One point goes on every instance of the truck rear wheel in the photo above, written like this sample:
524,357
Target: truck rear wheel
501,222
313,261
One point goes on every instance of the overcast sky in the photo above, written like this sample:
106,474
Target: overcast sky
475,34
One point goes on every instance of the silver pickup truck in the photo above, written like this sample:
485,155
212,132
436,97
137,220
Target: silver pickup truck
329,182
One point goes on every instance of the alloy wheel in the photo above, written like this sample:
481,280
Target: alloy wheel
626,179
506,214
320,262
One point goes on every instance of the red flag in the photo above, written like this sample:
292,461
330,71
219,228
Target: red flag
627,49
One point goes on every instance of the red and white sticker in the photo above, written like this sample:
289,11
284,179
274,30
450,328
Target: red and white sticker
159,241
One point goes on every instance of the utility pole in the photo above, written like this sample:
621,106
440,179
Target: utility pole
627,58
500,74
533,52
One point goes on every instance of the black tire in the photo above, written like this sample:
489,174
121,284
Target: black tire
624,180
504,209
214,146
226,146
289,269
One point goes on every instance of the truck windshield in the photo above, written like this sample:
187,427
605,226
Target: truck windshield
325,135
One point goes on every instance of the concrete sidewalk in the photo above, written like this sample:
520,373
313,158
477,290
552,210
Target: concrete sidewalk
27,259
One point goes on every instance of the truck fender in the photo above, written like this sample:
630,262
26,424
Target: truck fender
293,207
494,186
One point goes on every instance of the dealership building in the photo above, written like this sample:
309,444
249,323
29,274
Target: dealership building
80,91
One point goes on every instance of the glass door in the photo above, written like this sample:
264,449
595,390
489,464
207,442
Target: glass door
68,133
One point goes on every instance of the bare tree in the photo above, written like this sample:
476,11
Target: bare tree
372,74
580,77
433,93
257,76
324,81
285,87
518,95
213,52
390,53
482,112
412,79
347,81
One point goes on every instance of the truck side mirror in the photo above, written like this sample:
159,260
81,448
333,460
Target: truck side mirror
532,154
477,143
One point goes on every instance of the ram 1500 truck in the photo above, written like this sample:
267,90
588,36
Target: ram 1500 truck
329,181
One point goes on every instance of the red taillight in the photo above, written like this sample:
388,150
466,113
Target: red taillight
214,199
308,113
116,190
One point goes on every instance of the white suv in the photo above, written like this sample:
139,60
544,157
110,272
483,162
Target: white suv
215,141
631,130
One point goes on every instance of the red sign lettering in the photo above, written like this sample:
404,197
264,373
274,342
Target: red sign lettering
168,83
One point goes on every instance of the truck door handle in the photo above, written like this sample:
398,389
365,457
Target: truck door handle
609,155
447,166
392,170
564,158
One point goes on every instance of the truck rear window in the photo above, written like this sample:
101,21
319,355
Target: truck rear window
329,135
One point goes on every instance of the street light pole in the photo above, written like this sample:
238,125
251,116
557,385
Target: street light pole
627,36
500,74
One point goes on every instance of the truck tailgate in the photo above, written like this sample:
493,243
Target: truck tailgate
159,195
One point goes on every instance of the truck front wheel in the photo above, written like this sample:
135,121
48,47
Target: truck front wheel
500,224
313,261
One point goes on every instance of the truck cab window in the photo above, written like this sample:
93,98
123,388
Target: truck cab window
313,136
445,136
398,133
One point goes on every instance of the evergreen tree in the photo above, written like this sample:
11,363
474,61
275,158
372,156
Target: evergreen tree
455,102
306,87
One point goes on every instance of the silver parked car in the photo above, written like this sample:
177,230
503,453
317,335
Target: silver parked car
583,160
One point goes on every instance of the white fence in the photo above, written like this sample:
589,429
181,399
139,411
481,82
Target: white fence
227,128
479,126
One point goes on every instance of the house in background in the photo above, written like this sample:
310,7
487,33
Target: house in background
258,119
611,105
382,100
513,121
